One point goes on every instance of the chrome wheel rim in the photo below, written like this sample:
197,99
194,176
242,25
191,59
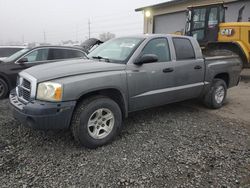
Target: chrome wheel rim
219,94
101,123
1,89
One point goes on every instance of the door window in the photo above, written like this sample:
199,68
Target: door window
183,49
213,17
158,47
199,18
64,54
199,23
199,34
37,55
57,54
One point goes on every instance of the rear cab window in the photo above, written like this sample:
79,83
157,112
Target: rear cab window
183,49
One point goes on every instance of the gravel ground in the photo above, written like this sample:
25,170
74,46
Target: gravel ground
171,146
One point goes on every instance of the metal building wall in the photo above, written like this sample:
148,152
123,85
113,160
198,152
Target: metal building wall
169,23
172,22
233,10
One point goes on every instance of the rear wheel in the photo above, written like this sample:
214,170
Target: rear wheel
3,89
96,121
216,95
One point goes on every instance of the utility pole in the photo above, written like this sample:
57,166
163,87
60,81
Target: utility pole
76,33
44,37
89,28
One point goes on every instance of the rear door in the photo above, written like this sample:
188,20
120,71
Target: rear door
188,69
148,84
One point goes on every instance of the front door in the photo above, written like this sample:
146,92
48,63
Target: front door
148,83
213,24
198,24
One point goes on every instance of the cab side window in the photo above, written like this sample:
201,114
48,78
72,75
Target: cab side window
65,54
183,49
57,54
158,47
37,55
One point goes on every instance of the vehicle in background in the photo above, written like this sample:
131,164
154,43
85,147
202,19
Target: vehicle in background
216,36
28,57
90,44
93,96
6,51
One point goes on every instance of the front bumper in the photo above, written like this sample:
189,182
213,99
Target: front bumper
42,115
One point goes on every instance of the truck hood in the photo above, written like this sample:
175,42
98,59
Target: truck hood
62,69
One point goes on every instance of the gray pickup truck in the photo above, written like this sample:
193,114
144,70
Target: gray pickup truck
92,96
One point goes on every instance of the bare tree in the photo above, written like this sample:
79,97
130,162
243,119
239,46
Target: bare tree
106,36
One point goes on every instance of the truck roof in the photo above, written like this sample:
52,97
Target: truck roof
156,35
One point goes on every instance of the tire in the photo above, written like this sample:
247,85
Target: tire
87,127
216,95
4,89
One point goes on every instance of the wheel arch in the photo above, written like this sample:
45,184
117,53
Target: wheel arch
113,93
223,76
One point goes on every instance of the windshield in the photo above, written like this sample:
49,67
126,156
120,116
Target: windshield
117,50
16,55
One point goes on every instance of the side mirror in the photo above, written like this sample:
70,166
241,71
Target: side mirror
146,58
23,60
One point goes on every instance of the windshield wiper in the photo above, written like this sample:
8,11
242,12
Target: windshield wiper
100,57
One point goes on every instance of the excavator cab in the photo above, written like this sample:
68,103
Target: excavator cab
216,37
203,22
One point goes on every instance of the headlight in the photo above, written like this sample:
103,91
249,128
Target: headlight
49,91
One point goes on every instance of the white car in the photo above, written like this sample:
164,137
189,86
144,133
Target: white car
6,51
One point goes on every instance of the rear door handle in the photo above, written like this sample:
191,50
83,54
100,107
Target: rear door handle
197,67
167,70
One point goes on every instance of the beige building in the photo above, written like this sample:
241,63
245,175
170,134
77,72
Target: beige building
170,17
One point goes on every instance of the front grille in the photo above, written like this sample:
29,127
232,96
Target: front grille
23,89
26,84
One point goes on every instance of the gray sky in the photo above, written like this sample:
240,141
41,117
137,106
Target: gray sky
68,19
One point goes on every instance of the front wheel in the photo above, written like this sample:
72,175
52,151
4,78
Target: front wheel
96,121
216,95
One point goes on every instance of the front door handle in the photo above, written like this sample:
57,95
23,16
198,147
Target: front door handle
167,70
197,67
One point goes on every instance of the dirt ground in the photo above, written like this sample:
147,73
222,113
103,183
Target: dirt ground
237,105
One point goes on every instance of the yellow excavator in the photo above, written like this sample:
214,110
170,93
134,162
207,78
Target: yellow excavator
216,37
